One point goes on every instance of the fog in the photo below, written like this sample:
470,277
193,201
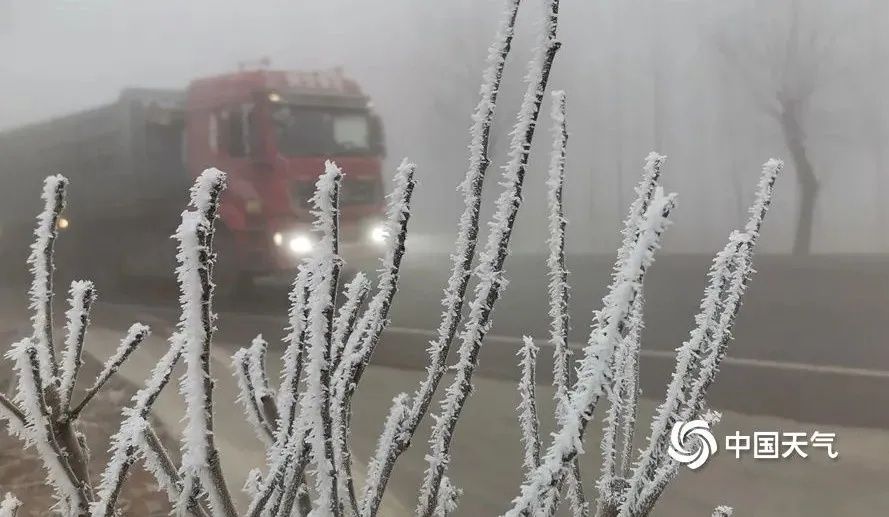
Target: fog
694,79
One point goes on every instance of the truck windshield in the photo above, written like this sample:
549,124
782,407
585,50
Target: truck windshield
314,131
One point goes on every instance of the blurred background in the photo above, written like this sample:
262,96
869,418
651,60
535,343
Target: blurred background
719,87
703,82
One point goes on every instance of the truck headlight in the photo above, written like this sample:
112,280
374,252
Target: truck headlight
378,233
300,244
278,238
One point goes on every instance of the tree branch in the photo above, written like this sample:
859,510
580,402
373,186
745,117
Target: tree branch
83,295
135,336
315,402
40,261
200,457
528,421
73,496
593,373
490,270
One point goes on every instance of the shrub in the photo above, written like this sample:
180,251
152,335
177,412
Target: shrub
305,420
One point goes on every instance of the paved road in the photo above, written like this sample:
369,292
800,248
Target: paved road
810,348
810,340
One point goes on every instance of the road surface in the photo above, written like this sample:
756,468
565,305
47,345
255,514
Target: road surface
810,341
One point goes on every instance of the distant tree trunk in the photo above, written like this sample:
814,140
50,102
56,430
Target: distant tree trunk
805,176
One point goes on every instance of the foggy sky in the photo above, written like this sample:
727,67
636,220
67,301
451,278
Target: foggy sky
640,75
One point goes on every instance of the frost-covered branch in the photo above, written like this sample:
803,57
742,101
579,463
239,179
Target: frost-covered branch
135,336
467,233
9,507
315,401
200,458
294,440
294,357
360,345
593,372
448,496
490,269
355,295
70,492
698,359
723,511
41,264
125,443
259,378
558,283
378,467
83,295
14,416
528,420
366,334
248,393
620,418
555,262
464,247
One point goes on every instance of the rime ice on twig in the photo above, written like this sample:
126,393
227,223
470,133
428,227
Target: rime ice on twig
528,421
377,466
262,391
356,292
83,295
558,275
40,260
135,336
9,507
315,401
200,458
593,370
490,269
361,343
126,443
620,418
70,495
698,359
448,495
366,334
558,283
249,392
252,483
723,511
15,418
467,237
294,357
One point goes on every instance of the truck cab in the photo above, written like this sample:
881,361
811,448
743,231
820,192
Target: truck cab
272,131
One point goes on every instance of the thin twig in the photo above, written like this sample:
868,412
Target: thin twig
490,270
201,466
83,295
528,420
135,336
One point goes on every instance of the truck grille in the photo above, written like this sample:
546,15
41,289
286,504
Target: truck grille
353,192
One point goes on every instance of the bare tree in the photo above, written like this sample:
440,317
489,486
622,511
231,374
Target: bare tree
783,64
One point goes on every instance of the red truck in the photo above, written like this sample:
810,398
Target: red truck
130,164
